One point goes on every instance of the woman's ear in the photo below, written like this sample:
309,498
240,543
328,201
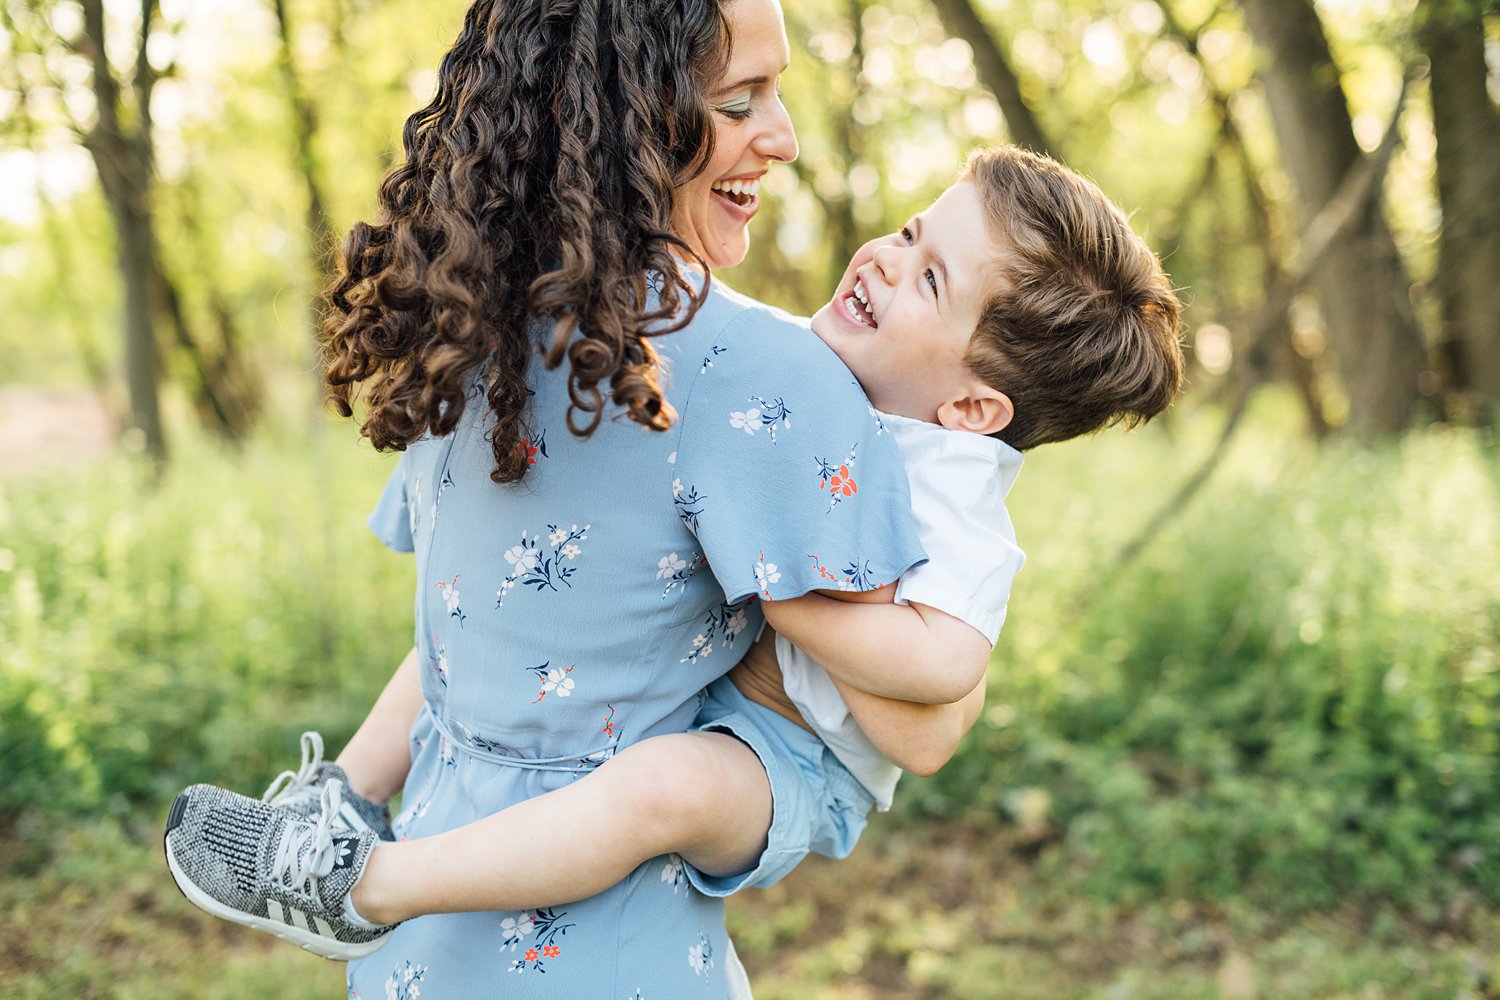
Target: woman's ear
981,410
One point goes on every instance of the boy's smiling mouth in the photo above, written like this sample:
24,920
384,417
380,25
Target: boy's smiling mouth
857,305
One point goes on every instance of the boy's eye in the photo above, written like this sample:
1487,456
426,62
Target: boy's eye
931,280
906,233
737,107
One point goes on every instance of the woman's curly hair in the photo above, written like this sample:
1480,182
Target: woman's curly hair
538,185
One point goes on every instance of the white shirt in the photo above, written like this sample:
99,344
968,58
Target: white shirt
958,484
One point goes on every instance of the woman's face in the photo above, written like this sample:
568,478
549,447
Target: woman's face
751,131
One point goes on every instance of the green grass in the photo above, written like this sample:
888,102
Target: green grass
1260,762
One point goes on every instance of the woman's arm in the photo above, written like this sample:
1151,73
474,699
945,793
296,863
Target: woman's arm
918,739
377,757
907,652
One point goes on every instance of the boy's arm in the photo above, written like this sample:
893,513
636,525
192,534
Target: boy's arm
907,652
918,739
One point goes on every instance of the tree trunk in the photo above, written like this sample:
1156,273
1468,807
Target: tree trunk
961,20
123,161
1362,285
1468,182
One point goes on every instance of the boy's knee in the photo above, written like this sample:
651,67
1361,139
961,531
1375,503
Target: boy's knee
681,780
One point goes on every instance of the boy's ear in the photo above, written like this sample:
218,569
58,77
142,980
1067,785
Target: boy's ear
981,410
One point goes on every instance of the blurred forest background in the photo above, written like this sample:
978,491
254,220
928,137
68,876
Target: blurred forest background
1242,738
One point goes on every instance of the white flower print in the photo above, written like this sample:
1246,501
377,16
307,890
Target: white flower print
669,564
726,621
532,566
765,575
514,929
746,420
404,981
553,680
673,873
701,955
736,623
449,590
677,487
522,558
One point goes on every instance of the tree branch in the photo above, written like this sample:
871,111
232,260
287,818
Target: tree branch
961,20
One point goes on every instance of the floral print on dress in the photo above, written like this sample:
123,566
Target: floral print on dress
532,447
405,980
677,571
708,359
547,925
533,566
443,486
838,480
689,503
856,575
765,575
879,421
701,955
674,873
613,733
725,622
768,415
554,680
449,590
439,658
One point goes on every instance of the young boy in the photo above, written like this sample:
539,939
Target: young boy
1017,310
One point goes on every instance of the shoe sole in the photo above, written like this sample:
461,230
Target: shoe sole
338,951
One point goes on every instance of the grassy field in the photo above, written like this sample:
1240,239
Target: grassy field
1258,762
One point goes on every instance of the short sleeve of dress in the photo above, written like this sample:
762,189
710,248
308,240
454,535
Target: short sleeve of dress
391,520
784,471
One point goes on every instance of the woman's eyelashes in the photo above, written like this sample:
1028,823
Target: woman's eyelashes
742,106
737,107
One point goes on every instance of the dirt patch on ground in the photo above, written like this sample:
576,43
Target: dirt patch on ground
42,428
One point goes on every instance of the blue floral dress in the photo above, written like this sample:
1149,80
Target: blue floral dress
585,608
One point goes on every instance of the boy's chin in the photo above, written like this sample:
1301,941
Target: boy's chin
822,324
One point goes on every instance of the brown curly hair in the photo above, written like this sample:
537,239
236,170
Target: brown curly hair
537,187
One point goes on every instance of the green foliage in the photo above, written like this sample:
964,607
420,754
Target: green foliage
157,633
1293,696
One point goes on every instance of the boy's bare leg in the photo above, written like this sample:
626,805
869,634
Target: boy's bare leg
704,796
377,757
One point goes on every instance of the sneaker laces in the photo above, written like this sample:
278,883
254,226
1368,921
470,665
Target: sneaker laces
298,782
307,851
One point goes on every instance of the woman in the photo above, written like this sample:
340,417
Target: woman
580,164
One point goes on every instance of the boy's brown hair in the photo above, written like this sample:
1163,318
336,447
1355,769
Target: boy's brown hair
1082,328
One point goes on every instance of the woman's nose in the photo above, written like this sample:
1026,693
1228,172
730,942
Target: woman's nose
778,139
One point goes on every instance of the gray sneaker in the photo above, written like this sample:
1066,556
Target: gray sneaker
301,791
267,868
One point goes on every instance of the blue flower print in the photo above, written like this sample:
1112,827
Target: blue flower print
534,566
443,487
856,575
547,925
708,359
404,982
689,504
701,955
768,415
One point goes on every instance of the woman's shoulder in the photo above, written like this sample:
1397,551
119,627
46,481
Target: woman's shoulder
758,335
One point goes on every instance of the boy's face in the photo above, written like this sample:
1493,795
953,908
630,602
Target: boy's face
908,305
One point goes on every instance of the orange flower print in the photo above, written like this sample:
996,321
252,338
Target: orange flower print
532,955
841,482
551,951
838,480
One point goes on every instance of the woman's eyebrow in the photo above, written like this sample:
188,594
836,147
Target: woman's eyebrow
750,82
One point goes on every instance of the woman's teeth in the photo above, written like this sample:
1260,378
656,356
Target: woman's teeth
741,192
